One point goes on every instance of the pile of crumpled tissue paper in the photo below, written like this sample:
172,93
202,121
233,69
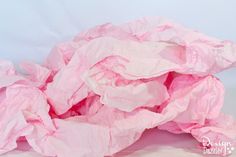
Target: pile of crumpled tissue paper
96,95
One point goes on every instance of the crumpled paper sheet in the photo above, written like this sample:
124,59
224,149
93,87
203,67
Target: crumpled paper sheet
95,95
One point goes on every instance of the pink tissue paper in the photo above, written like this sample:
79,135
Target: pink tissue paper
95,95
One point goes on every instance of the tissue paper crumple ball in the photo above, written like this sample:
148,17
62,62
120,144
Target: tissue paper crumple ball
97,94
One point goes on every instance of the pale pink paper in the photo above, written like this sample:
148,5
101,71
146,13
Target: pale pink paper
95,95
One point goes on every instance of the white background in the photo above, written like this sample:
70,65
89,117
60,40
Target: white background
30,28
